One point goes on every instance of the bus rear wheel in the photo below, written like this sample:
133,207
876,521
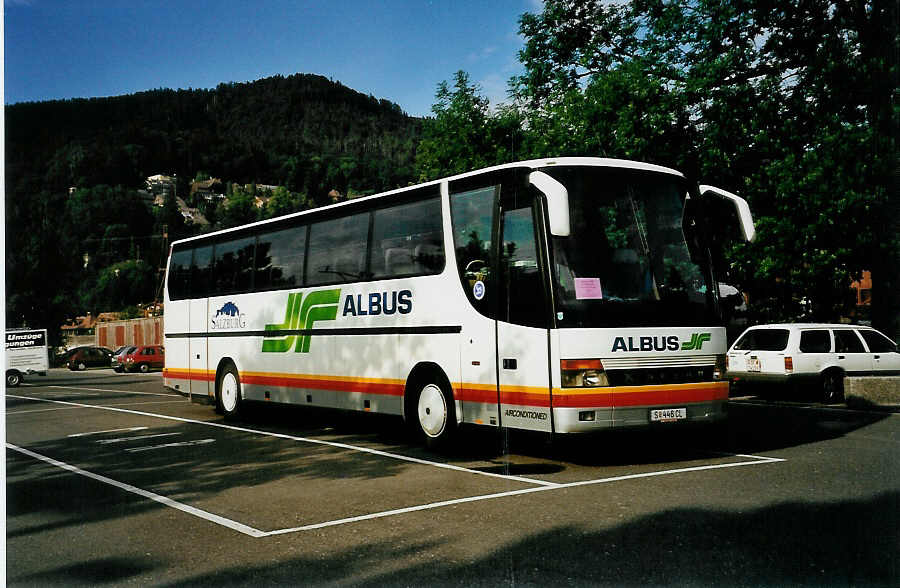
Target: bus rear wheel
13,379
435,414
228,392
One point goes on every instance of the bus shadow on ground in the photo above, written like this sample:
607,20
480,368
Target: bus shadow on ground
750,428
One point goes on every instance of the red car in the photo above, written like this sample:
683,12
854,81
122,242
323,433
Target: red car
143,358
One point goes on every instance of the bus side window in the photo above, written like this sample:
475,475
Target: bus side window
234,266
279,259
407,240
201,272
180,274
472,212
337,250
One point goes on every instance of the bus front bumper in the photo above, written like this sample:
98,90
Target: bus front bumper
585,420
595,409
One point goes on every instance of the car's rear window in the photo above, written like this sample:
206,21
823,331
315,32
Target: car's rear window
877,342
815,341
763,340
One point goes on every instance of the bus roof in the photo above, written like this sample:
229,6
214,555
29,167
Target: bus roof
531,163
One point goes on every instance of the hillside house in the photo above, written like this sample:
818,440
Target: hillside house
161,185
209,190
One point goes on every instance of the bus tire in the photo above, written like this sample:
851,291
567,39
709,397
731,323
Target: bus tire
13,378
228,392
433,412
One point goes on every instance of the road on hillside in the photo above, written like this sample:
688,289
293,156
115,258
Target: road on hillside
111,479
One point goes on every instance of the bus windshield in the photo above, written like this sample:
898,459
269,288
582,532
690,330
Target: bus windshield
626,261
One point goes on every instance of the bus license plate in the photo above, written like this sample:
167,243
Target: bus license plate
668,414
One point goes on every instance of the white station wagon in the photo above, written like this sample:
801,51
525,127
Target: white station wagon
811,353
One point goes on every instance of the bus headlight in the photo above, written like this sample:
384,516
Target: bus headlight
583,373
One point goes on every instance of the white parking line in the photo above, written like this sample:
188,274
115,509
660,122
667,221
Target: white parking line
537,485
256,533
368,450
756,461
213,518
15,412
107,390
138,438
107,431
166,445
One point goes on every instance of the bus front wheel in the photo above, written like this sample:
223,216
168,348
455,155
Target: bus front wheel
229,392
435,414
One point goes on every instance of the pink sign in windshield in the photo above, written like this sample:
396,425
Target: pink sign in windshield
588,288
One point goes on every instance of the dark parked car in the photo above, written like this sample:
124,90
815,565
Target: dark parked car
143,358
82,358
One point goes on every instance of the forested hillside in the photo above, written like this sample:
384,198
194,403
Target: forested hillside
303,131
79,237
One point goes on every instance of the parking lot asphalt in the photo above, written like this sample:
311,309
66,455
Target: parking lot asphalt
111,479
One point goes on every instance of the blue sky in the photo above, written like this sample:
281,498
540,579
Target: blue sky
393,49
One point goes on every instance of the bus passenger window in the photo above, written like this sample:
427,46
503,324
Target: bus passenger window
337,250
279,259
201,272
180,274
234,266
407,240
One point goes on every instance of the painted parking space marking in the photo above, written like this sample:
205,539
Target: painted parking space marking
757,460
535,485
213,518
18,412
168,445
138,438
257,533
128,429
105,390
295,438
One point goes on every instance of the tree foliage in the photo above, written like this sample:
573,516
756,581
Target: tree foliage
464,134
788,103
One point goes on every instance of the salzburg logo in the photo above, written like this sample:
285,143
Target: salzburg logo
228,317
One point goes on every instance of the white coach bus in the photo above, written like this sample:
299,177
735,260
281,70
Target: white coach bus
560,295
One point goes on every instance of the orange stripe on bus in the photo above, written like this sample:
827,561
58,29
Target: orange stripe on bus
487,393
342,384
640,395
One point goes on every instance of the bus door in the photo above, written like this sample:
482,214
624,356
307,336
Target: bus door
523,314
504,356
473,210
199,321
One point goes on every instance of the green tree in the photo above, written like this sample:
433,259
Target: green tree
119,286
239,209
760,98
464,135
283,201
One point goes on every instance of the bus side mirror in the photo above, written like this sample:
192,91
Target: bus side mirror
557,202
732,206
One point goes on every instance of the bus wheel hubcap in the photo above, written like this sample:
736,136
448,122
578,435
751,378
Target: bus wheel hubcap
229,392
432,410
